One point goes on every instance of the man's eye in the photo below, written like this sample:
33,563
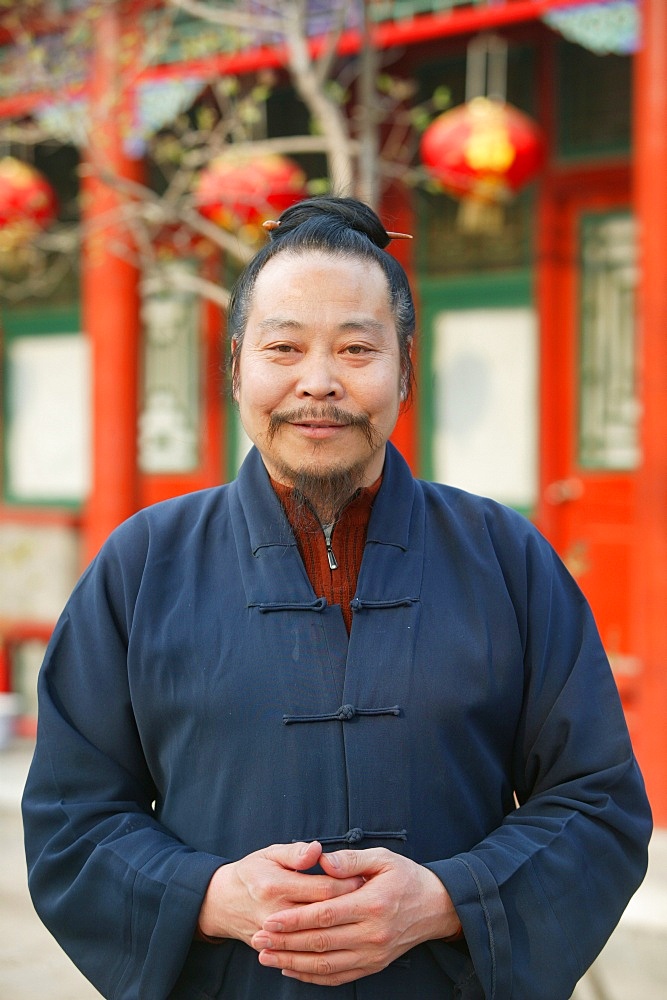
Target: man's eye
284,348
355,349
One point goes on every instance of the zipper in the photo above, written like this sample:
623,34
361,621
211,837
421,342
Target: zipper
328,532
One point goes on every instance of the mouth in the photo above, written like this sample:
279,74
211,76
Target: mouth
317,423
329,423
317,428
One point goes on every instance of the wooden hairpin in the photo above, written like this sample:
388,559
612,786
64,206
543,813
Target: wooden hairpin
271,224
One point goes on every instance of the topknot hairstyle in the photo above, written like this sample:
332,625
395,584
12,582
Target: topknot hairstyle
343,227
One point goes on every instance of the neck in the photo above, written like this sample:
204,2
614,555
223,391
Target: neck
328,492
326,495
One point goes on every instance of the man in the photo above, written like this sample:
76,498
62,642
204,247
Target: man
329,725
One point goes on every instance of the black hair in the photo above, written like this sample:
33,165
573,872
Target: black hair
342,227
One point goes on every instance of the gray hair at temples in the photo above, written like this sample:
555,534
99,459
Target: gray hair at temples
342,227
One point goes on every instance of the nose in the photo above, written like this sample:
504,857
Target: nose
318,378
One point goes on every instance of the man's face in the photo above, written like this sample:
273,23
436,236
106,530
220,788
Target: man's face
318,375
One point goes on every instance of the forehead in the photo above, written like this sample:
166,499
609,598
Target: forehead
318,277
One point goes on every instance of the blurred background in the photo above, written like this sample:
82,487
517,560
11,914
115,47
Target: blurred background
523,145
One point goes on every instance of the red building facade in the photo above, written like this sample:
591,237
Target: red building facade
541,362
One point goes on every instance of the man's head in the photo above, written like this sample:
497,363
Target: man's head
321,323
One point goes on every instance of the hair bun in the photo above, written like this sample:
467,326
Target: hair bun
348,212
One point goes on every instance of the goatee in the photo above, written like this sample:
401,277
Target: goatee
326,491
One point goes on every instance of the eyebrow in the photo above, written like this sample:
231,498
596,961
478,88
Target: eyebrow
271,323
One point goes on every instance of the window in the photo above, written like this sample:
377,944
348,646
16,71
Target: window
608,411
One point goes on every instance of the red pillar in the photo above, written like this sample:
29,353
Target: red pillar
110,297
650,570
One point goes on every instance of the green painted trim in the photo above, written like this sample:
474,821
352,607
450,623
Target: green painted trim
495,290
39,322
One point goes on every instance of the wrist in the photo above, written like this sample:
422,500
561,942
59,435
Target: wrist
444,924
210,925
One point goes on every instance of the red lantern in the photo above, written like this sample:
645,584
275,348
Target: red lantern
238,191
483,152
27,203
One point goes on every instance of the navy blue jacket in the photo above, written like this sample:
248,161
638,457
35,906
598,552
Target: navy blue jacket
198,702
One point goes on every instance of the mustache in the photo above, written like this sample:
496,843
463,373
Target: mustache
332,414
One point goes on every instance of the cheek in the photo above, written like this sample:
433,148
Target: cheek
259,390
380,398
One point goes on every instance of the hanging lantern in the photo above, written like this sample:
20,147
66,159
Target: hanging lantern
238,191
27,205
483,152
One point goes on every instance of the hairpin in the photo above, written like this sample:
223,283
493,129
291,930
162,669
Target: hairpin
271,224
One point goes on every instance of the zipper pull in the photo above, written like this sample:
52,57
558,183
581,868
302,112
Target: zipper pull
328,532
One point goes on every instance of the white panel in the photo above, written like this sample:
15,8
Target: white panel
39,566
485,434
48,437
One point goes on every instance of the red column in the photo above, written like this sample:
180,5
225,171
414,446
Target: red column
650,570
110,296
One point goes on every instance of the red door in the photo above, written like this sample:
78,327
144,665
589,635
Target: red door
589,413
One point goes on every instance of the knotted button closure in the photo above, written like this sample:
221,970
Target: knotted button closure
343,714
354,835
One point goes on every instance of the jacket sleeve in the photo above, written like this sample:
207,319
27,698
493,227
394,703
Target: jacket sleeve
114,887
541,894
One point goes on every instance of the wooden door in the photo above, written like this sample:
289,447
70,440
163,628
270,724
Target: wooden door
589,411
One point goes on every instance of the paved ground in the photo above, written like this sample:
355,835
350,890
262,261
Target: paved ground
32,967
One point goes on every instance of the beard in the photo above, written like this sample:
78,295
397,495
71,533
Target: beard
325,491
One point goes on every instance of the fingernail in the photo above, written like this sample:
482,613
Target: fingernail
303,849
261,941
267,958
272,925
333,860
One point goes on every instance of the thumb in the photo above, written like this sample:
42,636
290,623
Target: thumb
342,864
297,857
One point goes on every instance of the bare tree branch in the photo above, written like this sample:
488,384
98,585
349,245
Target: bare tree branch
324,110
227,17
162,211
186,281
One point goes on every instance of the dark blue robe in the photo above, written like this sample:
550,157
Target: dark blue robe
198,702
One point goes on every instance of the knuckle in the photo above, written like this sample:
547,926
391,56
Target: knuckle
329,890
380,938
320,943
323,967
326,917
264,887
376,910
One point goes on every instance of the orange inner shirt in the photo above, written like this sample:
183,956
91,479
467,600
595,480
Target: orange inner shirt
348,538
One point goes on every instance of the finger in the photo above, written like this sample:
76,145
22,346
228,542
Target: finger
298,857
319,941
307,889
342,864
332,969
344,909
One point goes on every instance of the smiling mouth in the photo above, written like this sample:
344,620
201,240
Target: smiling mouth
328,421
316,424
315,429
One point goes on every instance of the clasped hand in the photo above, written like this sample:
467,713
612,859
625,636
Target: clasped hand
366,910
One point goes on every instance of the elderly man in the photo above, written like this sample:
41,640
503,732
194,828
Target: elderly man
329,725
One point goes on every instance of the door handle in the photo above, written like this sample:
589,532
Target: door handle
564,490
